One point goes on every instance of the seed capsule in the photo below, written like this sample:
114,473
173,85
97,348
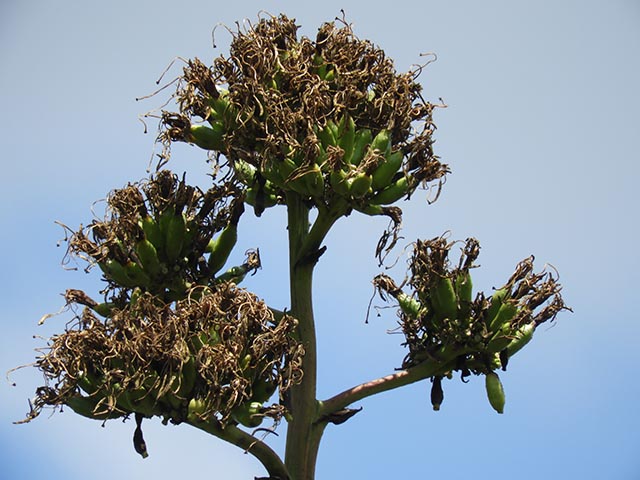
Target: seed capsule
495,392
437,395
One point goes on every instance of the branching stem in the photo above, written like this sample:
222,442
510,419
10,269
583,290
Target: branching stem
426,369
232,434
304,432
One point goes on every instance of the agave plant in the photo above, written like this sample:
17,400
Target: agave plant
322,125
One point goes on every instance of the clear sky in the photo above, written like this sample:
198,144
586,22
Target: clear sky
541,133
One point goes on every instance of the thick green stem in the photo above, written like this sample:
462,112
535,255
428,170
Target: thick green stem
309,417
304,432
300,455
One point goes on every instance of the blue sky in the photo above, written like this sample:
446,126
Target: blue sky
541,135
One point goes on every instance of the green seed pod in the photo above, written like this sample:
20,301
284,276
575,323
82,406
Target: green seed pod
297,183
221,109
135,295
328,135
164,219
124,402
245,362
196,409
464,291
495,392
138,276
464,286
330,74
409,305
371,210
248,414
175,235
497,299
188,379
262,390
220,248
287,166
346,138
122,399
152,232
363,139
244,172
141,401
504,316
234,274
359,185
82,405
272,172
89,383
208,138
115,271
392,193
148,256
382,142
523,335
273,83
443,299
210,338
314,182
383,174
498,343
333,128
496,361
338,182
217,111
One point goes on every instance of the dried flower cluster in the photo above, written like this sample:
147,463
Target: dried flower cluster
442,319
208,355
272,102
281,91
156,234
172,338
